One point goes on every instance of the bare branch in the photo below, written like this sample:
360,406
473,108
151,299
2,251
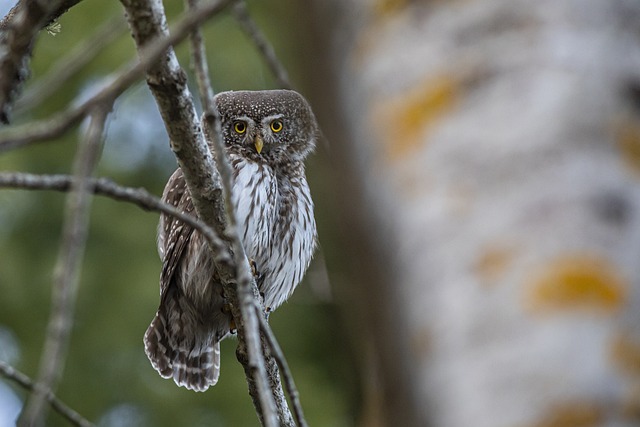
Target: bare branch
106,187
60,407
66,274
247,293
45,129
278,355
266,49
60,123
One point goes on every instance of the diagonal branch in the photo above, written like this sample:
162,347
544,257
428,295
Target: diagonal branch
59,406
278,355
249,26
66,274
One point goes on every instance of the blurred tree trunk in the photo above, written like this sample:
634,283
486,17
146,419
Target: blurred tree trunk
487,165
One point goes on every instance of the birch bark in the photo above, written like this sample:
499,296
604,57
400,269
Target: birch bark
488,154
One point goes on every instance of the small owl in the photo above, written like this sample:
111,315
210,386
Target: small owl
267,135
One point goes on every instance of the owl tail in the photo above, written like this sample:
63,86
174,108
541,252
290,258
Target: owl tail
192,361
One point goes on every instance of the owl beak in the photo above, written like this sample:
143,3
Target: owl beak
259,144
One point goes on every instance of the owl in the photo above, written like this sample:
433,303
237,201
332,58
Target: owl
267,136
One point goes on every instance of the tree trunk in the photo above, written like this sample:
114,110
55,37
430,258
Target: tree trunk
487,157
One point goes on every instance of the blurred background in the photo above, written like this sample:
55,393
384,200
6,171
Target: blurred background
107,376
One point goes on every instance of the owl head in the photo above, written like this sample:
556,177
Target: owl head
276,127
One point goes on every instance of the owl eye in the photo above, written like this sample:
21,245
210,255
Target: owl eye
240,127
276,126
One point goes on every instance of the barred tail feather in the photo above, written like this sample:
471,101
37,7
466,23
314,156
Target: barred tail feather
192,363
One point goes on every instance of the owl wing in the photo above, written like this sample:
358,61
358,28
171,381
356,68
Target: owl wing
177,350
173,234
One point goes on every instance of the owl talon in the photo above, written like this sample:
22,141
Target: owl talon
254,267
256,274
267,310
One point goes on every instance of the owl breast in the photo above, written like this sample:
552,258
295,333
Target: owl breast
275,220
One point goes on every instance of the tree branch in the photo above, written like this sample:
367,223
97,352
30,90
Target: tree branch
60,407
66,274
278,355
106,187
168,84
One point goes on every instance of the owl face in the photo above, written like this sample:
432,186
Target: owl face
275,127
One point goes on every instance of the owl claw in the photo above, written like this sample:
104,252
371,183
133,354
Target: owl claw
256,274
254,267
226,309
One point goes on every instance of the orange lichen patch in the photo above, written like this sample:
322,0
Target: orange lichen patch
383,8
628,140
404,120
493,262
578,282
579,414
626,355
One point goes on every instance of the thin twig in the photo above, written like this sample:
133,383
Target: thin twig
58,124
248,328
199,65
105,187
66,273
252,30
277,353
59,406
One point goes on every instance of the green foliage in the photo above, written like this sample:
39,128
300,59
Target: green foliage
107,377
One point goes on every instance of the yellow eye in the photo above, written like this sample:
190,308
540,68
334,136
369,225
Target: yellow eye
276,126
240,127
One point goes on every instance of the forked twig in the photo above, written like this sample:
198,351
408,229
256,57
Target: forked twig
277,353
59,406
